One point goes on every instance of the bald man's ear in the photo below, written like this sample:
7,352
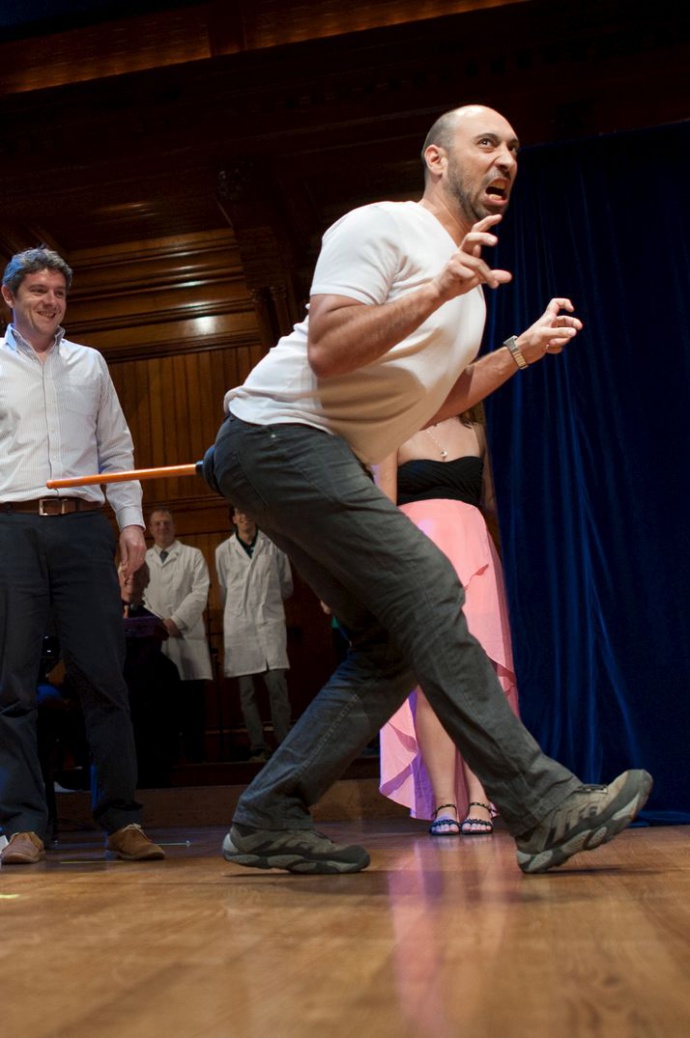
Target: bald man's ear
436,158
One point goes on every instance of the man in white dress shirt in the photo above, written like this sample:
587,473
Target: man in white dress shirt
178,593
60,417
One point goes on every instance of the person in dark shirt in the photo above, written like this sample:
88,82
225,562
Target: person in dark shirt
153,682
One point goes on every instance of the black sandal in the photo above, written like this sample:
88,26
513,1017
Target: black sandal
486,827
452,826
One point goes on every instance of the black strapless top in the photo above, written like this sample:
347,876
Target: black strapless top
427,480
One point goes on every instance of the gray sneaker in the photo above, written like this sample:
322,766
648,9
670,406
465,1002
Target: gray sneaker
590,816
296,850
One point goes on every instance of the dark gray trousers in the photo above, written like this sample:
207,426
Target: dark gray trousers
400,599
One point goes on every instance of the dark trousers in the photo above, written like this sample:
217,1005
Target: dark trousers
63,566
191,719
401,601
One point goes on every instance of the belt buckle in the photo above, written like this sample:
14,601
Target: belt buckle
43,502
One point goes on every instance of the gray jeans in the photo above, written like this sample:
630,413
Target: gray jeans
276,686
401,601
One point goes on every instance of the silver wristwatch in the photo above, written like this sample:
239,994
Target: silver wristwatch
518,357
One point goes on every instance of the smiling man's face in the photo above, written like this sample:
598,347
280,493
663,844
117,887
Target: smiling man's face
162,529
38,306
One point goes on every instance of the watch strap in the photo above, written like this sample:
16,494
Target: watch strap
516,352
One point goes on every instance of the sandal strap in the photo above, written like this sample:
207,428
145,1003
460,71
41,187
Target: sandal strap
478,803
486,827
440,808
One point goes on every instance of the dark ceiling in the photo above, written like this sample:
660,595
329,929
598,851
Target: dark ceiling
22,18
300,132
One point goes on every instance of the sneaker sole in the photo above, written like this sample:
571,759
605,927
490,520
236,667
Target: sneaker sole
590,839
289,862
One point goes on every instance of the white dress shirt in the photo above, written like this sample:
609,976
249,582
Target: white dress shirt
61,418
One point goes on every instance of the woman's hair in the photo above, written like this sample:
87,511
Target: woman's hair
473,415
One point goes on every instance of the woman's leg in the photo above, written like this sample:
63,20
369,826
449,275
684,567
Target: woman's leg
440,756
479,820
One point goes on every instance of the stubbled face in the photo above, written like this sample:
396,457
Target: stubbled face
245,526
481,163
38,306
162,529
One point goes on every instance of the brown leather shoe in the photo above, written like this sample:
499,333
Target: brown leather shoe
23,849
132,844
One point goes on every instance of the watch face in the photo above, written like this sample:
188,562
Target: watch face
512,345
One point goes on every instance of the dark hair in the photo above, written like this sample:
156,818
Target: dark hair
30,262
161,508
144,573
473,415
441,134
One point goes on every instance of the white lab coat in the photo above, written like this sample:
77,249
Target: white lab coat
179,590
253,590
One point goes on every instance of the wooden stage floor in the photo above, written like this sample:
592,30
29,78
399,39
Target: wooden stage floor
437,939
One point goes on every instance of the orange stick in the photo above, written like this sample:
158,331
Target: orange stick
167,472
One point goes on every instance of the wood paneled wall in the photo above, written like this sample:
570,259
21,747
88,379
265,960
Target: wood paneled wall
177,325
200,31
186,161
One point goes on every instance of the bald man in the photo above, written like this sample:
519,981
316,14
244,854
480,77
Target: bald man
395,322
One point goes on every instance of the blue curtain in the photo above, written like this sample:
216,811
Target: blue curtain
590,455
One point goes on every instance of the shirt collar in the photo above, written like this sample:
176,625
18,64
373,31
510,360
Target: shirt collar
248,548
17,341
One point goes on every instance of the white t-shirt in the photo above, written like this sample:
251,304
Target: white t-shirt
374,254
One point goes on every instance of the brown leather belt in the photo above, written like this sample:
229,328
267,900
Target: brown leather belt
49,506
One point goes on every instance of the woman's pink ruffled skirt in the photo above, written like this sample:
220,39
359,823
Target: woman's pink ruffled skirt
460,531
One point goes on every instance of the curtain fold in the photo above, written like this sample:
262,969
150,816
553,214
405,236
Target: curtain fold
590,456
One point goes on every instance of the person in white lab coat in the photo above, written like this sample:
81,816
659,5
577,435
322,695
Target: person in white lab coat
255,578
178,593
